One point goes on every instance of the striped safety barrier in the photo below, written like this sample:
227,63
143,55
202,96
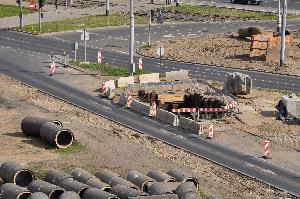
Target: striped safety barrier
206,110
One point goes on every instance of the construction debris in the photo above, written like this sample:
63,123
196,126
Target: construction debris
238,84
289,107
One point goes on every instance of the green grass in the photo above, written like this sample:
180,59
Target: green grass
74,148
11,10
38,170
224,12
217,84
107,69
85,22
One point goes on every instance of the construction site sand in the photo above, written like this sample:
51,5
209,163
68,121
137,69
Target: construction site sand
224,49
109,145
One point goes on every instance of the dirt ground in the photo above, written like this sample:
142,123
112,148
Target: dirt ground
108,145
224,49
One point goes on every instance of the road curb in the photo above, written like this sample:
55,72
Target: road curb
217,65
22,31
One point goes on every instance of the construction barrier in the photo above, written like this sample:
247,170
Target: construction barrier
190,125
177,75
140,107
124,81
205,110
123,99
146,78
167,117
111,84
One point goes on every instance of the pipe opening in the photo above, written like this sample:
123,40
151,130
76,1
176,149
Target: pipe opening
81,192
57,123
64,139
23,195
23,178
194,181
55,194
106,189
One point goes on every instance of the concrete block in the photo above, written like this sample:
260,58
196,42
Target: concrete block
111,84
292,104
238,83
123,99
191,125
110,93
123,81
146,78
167,116
140,107
177,75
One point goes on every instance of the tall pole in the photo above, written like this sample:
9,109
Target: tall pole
40,18
279,17
282,50
21,14
84,32
177,2
131,64
149,29
107,8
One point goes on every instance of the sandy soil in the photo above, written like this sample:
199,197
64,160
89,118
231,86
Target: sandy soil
108,145
224,49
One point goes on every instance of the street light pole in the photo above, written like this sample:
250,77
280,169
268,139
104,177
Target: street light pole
131,64
107,7
21,14
282,49
279,17
177,2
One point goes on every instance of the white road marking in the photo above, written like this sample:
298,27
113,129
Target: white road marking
264,170
169,35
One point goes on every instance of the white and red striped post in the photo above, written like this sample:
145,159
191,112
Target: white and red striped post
129,100
52,68
267,152
141,65
104,89
100,56
211,131
153,109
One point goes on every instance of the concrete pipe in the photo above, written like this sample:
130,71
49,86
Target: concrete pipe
1,182
69,195
140,180
181,176
52,191
106,175
73,185
96,183
167,196
12,191
191,195
56,176
122,181
186,187
12,172
56,135
93,193
160,176
124,192
31,126
38,195
159,188
81,175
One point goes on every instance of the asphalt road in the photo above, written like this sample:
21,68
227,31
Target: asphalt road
25,68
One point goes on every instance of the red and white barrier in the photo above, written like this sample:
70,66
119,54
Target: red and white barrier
206,110
141,64
211,131
53,68
104,89
267,152
100,56
153,109
129,100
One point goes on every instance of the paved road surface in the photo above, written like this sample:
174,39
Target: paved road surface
32,72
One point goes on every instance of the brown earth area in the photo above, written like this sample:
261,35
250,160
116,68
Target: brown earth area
224,49
108,145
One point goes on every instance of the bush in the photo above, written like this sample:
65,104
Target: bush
248,32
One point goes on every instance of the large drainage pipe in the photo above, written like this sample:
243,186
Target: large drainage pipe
12,172
56,135
140,180
124,192
87,178
52,191
56,176
38,195
159,188
122,181
181,176
160,176
1,182
106,175
12,191
31,125
191,195
93,193
69,195
186,187
167,196
73,185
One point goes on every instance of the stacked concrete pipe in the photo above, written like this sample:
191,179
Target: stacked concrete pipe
187,190
49,130
13,191
69,195
52,191
163,188
181,176
94,193
56,176
168,196
124,192
160,176
11,172
38,195
87,178
1,182
140,180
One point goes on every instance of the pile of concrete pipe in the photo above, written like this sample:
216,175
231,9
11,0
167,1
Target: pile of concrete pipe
17,182
51,131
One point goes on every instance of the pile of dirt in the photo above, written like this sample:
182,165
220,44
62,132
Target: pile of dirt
224,49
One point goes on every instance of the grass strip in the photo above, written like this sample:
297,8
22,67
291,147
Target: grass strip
224,12
84,22
74,148
11,10
107,69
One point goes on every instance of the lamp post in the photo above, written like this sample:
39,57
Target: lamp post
279,17
282,49
131,63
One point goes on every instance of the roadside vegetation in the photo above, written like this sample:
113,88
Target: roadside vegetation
84,22
11,10
107,69
224,12
74,148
